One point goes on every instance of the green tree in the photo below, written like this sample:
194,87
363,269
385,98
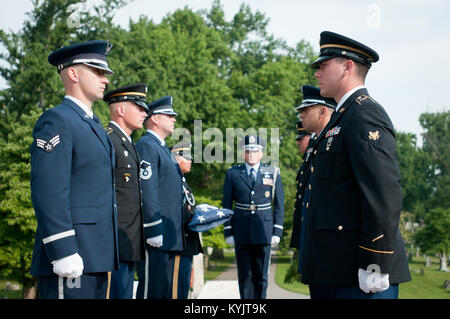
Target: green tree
436,141
416,174
434,236
17,221
33,85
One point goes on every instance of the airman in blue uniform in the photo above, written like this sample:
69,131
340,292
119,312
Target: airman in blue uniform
257,222
162,194
128,110
72,182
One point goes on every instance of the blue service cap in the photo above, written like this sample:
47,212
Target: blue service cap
254,143
207,217
311,96
335,45
161,106
91,53
135,93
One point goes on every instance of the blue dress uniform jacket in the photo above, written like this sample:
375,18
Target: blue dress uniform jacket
254,221
72,190
162,193
355,198
128,193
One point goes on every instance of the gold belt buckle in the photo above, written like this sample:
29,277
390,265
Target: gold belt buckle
252,207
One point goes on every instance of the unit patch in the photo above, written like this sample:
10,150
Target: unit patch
145,171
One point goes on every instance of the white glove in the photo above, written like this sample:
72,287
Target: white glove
275,240
230,240
70,266
156,241
372,281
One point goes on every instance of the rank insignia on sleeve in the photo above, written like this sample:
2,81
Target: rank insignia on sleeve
48,146
374,135
145,171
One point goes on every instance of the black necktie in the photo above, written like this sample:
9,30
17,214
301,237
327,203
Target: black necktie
252,177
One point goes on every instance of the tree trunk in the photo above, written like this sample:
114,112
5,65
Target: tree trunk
443,262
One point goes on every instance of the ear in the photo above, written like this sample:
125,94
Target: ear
349,66
72,74
121,109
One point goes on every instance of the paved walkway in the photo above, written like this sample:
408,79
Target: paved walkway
226,286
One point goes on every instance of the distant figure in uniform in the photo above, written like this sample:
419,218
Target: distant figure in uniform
256,222
315,112
162,193
72,182
353,247
183,261
303,137
128,111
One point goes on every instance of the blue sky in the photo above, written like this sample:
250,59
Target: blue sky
411,37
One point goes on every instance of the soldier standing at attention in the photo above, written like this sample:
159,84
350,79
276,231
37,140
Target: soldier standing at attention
255,224
162,194
128,110
353,247
72,182
315,112
183,261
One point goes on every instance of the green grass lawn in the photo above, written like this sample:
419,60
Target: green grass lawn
427,286
7,294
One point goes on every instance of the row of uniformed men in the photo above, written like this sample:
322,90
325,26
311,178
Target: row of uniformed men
349,196
102,203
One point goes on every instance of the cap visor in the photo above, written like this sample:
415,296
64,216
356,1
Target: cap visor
142,104
315,64
107,70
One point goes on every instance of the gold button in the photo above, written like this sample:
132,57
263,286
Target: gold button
300,184
340,227
301,173
309,186
307,204
312,169
300,196
315,152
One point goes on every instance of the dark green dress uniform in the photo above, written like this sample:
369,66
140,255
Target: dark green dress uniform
299,182
128,193
183,261
355,196
311,97
131,239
